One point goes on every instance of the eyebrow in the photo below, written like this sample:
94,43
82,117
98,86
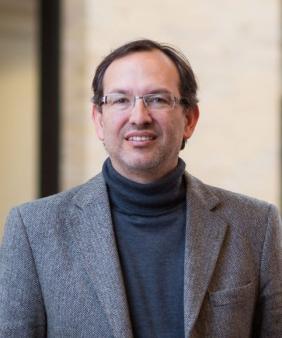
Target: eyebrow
159,91
128,92
119,91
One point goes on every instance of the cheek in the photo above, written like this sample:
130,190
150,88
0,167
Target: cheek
113,125
173,127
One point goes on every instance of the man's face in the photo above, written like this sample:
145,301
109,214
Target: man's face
143,145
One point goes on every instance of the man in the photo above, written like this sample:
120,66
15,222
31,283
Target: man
143,249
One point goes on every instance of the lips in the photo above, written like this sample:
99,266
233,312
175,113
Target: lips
140,136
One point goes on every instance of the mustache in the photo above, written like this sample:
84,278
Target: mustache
141,127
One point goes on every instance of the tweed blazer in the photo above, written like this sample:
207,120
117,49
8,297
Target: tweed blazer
60,274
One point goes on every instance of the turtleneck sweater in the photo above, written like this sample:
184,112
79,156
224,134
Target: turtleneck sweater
149,224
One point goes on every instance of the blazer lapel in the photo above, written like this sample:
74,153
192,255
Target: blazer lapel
92,229
205,232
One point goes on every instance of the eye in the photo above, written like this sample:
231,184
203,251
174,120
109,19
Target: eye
117,102
120,100
158,100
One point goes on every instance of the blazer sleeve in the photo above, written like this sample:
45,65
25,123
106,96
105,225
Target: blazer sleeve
268,321
21,306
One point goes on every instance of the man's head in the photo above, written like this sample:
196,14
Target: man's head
144,108
187,84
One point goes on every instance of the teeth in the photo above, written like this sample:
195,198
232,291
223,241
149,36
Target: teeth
140,138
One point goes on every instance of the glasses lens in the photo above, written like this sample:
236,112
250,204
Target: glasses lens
159,101
118,101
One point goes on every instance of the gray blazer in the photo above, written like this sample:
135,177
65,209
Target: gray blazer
60,274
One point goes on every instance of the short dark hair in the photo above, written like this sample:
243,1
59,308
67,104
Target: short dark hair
188,84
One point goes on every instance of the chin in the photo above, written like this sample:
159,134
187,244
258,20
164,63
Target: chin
142,164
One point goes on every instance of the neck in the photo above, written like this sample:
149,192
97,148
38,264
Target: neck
156,197
145,175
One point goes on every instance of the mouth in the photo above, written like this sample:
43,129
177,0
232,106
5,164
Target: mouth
140,137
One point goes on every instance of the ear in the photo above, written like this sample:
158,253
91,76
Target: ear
97,118
192,116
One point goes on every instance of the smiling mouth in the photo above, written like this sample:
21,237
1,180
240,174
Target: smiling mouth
140,138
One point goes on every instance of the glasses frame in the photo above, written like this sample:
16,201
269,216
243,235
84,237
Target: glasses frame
134,98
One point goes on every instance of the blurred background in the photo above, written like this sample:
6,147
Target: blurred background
48,54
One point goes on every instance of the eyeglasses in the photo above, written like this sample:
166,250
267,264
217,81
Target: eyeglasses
153,102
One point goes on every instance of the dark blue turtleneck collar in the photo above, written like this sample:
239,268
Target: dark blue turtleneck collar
161,196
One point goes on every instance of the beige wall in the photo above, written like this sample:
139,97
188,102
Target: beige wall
234,49
18,104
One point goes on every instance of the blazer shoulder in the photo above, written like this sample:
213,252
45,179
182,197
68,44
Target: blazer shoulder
232,204
248,218
204,188
55,207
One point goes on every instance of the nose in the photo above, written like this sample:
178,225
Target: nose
139,113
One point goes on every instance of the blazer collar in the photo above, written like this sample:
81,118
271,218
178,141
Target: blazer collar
99,252
205,232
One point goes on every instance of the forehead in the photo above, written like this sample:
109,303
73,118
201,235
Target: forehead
142,71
